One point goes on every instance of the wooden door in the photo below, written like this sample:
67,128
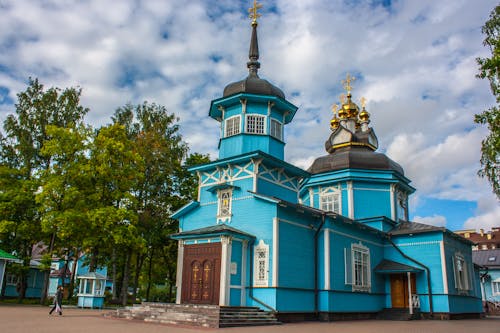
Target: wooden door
399,289
201,274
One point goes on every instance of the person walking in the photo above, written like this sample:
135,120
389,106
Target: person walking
58,301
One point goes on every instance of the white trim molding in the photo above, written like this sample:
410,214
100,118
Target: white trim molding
275,251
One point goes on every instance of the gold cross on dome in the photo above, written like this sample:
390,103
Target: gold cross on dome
253,11
347,83
363,102
335,108
342,98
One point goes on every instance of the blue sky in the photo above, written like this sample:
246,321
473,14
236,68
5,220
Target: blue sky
414,62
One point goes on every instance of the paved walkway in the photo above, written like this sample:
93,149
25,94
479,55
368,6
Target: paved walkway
35,319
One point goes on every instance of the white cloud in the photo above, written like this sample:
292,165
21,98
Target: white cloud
487,215
435,220
415,63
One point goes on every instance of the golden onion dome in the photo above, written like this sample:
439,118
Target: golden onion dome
334,123
350,108
343,112
364,115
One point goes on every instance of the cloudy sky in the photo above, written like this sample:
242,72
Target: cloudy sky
414,61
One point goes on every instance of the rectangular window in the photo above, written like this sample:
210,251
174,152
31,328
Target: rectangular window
330,202
232,126
357,267
462,281
255,124
11,279
276,127
495,288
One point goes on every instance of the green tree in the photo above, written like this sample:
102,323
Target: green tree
21,157
62,198
156,135
490,69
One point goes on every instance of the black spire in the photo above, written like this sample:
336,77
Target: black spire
253,53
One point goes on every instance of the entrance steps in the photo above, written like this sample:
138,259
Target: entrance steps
245,316
398,314
210,316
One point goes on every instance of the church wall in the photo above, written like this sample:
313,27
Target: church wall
270,188
426,249
340,297
461,302
371,200
235,279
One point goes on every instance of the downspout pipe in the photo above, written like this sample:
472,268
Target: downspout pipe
316,265
250,283
427,270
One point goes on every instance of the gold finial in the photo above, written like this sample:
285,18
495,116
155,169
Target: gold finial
363,102
253,11
342,98
347,83
335,107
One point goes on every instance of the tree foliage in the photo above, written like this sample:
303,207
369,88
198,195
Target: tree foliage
490,69
107,193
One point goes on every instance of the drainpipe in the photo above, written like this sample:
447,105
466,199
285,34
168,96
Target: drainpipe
427,270
316,266
250,287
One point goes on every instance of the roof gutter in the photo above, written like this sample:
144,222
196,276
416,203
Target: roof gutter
316,265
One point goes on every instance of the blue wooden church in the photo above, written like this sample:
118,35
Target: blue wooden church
330,242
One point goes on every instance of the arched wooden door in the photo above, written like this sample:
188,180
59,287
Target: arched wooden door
201,274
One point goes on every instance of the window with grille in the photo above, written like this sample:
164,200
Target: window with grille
330,201
495,288
11,279
462,278
255,124
232,126
357,267
261,264
276,129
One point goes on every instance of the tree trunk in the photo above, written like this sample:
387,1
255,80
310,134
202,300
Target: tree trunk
46,277
126,276
73,273
138,266
150,272
113,272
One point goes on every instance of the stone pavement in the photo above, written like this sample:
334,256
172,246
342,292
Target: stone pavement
35,319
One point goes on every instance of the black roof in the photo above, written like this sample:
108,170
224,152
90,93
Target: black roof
253,85
482,258
215,229
354,157
406,227
389,266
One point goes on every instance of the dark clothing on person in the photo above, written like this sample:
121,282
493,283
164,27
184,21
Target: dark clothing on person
57,302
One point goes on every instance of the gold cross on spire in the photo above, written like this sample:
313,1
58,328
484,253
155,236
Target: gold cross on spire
347,83
253,11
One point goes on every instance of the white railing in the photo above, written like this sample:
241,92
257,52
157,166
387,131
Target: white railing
415,301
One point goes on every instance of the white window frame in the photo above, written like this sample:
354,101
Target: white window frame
261,265
275,126
255,124
224,204
461,273
495,288
330,200
11,279
357,267
232,126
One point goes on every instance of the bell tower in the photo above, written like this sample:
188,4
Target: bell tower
252,112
